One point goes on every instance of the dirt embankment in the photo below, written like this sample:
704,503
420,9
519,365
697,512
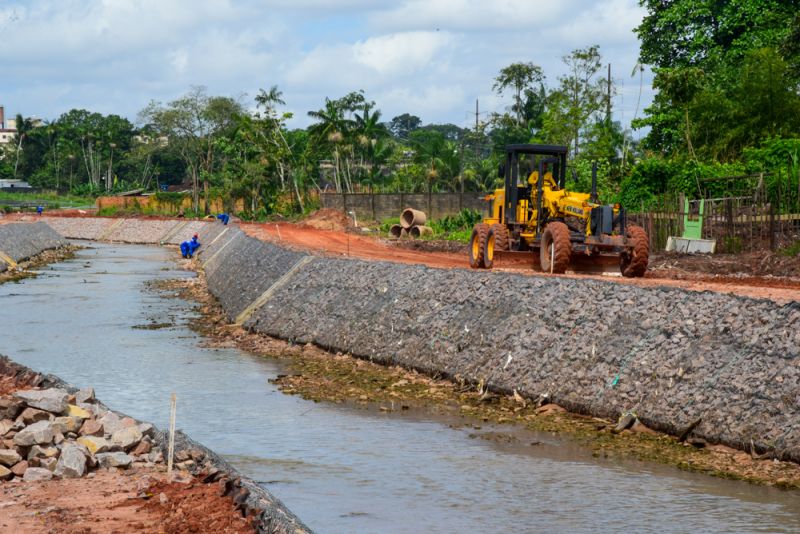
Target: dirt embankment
339,378
67,464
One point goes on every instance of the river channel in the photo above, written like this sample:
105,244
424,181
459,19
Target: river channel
341,469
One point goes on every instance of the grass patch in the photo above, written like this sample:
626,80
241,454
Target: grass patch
51,200
792,250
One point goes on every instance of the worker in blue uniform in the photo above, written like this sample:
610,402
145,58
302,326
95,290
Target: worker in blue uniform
189,247
224,217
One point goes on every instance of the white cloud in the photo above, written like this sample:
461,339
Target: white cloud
480,15
428,57
400,53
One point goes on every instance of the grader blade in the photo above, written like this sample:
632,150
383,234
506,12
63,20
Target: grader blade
605,264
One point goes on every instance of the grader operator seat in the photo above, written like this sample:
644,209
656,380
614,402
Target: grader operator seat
544,157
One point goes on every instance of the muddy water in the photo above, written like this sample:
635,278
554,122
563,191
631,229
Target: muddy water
91,321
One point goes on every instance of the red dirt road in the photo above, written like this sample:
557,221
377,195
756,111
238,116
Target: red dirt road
338,243
344,244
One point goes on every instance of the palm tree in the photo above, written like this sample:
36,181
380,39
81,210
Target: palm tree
23,127
269,99
332,126
369,131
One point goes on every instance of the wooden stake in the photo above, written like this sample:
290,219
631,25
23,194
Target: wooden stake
171,450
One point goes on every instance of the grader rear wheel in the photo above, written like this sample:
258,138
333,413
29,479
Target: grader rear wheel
634,264
477,246
555,248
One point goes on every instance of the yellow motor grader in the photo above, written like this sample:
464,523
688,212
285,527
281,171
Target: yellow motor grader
534,212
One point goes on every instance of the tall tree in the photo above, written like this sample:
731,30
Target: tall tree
520,77
402,125
578,101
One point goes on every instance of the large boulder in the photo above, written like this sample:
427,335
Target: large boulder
77,411
94,444
5,426
9,457
38,433
20,468
91,427
114,459
10,407
32,415
36,474
5,473
52,400
67,424
72,462
126,438
111,422
37,451
85,395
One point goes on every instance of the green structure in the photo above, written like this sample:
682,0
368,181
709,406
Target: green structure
693,226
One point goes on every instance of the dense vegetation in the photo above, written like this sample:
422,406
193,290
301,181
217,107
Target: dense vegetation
727,76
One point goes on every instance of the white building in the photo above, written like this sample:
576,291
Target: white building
8,129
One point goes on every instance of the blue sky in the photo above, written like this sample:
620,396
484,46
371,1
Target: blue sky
432,58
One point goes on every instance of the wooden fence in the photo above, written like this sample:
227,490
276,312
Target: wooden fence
738,224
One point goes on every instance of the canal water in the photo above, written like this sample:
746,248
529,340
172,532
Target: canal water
342,469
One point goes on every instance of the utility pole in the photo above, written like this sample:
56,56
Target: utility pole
608,98
477,131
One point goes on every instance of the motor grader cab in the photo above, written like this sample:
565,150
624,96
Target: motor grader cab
534,212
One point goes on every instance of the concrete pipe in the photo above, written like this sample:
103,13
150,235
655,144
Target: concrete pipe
411,217
403,232
419,231
396,230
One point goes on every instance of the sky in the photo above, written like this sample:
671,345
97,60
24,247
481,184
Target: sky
430,58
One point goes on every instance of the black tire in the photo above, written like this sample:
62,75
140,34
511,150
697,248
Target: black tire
500,236
557,234
477,246
634,263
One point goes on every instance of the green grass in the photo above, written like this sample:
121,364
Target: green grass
51,200
792,250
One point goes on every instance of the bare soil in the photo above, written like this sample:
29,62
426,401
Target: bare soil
339,378
137,500
327,219
781,288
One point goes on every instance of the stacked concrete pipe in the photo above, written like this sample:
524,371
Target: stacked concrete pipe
413,222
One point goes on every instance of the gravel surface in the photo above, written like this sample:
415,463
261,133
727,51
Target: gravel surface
79,228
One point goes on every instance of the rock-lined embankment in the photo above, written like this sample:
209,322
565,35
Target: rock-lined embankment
673,357
49,430
19,242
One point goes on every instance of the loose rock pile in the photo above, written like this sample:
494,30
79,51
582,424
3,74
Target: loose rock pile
50,433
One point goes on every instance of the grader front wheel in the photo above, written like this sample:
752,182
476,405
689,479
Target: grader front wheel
477,246
555,248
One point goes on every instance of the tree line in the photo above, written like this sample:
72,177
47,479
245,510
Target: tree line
727,81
